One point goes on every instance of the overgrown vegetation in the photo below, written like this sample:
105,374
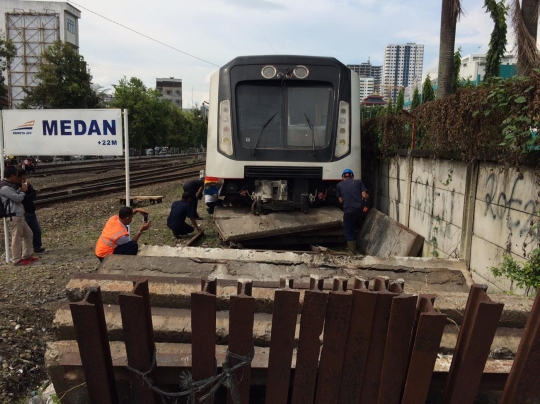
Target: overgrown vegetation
495,116
524,275
497,42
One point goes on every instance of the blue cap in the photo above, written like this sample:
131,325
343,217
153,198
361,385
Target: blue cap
347,173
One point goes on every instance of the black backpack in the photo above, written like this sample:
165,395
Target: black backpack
5,209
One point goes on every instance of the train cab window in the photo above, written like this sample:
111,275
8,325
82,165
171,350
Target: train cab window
308,109
271,116
259,116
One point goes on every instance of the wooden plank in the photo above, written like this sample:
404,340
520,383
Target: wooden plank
281,345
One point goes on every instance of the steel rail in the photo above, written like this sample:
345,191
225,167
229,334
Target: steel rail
134,159
105,166
112,187
45,191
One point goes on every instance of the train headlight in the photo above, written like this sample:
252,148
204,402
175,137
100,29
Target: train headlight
268,72
301,72
343,137
224,136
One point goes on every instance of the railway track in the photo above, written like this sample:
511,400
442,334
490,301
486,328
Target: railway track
93,188
102,166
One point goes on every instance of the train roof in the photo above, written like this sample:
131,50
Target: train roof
285,59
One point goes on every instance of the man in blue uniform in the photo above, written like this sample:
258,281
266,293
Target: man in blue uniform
180,210
353,195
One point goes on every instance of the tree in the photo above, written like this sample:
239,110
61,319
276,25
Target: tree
456,80
198,127
143,111
64,81
427,91
389,107
400,101
525,22
7,53
497,42
415,99
450,13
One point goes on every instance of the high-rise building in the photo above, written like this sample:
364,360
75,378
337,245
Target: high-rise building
33,26
367,85
402,67
171,89
366,69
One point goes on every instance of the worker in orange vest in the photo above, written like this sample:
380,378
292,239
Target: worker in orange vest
114,238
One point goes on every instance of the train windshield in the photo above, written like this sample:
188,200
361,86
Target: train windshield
276,116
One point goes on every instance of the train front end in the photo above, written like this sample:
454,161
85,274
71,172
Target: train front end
281,129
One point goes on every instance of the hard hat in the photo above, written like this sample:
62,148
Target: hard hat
347,173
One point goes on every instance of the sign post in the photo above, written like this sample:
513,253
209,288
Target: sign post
63,132
6,231
126,143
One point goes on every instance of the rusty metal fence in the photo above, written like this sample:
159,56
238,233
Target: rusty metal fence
368,344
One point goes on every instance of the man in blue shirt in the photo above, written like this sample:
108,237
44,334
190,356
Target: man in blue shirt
353,195
180,210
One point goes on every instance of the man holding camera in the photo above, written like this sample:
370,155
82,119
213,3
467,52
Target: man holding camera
21,234
114,238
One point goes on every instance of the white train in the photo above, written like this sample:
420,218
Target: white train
281,130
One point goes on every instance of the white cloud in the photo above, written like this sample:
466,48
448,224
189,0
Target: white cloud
219,30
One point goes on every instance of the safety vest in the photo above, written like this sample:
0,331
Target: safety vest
112,231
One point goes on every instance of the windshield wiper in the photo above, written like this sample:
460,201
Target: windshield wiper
260,134
312,135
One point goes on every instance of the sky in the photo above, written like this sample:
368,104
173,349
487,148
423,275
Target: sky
217,31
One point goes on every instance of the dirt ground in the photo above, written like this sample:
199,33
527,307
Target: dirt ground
29,295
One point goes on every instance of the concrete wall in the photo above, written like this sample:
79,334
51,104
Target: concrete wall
471,211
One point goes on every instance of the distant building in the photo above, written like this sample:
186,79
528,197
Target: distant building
473,67
402,67
366,69
367,87
33,26
171,89
374,100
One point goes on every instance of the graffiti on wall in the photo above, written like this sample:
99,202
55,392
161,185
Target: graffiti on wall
499,205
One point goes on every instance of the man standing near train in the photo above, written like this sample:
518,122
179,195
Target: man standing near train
352,194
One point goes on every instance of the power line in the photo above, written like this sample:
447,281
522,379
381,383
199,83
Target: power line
146,36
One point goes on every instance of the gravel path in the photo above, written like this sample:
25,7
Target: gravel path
30,295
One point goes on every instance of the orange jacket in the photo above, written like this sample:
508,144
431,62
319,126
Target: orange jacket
112,231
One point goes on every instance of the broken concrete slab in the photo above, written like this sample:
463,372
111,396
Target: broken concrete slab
174,325
267,267
382,236
236,225
175,292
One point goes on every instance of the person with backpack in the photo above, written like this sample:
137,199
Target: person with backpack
12,209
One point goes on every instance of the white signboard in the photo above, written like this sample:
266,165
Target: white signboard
63,132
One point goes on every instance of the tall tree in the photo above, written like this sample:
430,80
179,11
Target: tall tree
427,91
7,53
525,22
144,112
400,101
389,107
64,81
456,80
497,42
415,99
450,13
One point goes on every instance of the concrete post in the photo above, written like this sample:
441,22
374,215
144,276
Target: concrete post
468,212
410,162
